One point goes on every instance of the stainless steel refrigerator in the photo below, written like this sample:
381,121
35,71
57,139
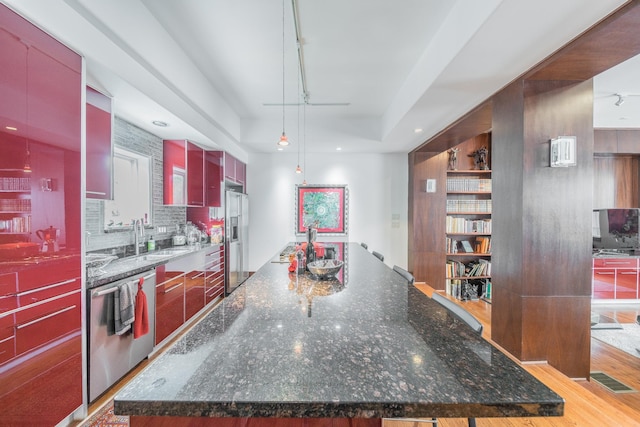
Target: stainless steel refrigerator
236,245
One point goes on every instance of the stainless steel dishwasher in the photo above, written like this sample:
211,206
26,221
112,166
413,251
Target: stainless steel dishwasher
112,356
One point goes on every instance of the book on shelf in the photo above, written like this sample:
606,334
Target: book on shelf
483,245
466,246
469,184
455,224
469,205
480,267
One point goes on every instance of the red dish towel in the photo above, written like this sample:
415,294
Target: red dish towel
141,322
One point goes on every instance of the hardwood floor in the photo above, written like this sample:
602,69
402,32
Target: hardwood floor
587,403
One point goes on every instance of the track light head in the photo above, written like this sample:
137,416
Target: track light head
620,100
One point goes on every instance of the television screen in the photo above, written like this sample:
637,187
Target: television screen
616,229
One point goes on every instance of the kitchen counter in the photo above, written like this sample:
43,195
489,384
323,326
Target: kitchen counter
373,347
130,266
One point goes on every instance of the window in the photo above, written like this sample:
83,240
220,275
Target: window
131,190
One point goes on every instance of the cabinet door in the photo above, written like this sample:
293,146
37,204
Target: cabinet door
99,183
194,292
241,173
626,283
195,175
169,305
175,173
229,167
604,280
44,386
213,178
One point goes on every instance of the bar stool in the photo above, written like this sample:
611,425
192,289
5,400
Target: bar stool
404,273
463,315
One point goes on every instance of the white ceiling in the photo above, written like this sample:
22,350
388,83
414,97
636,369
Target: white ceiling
213,69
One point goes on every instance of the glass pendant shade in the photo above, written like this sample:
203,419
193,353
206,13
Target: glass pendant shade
283,140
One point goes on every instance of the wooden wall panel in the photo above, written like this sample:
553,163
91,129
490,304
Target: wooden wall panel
427,243
507,200
605,141
616,181
541,221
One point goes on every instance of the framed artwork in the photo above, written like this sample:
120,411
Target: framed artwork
325,205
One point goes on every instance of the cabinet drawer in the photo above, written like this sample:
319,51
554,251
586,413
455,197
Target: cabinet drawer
41,276
36,295
47,321
8,284
626,283
604,280
615,262
7,346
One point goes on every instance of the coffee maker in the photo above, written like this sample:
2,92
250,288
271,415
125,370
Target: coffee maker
49,237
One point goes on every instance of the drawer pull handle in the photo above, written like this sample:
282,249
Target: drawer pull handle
40,319
172,288
20,294
605,273
97,193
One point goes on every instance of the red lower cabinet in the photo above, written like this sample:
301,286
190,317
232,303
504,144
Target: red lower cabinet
616,278
169,305
214,279
194,292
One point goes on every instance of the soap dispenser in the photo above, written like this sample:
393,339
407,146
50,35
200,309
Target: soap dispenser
151,244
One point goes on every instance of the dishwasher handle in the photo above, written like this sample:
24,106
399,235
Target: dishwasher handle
114,287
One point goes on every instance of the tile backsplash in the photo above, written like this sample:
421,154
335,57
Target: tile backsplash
133,138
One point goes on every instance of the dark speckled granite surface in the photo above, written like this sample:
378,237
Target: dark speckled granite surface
372,347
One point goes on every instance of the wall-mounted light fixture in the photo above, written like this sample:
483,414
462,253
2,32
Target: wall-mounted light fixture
562,151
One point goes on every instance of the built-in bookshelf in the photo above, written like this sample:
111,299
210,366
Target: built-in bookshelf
468,234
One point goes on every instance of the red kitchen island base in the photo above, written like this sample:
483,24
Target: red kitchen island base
140,421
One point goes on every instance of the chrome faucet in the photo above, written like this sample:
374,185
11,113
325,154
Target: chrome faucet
138,231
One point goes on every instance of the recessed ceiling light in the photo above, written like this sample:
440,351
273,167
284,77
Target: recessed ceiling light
417,130
338,148
160,123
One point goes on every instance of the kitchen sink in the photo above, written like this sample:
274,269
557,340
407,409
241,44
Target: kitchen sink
164,253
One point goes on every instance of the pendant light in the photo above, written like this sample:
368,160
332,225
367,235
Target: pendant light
283,138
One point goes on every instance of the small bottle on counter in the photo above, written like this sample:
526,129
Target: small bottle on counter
151,244
300,260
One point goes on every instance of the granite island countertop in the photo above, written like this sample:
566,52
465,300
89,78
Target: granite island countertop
372,347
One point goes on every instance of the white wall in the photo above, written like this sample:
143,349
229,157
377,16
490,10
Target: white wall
378,200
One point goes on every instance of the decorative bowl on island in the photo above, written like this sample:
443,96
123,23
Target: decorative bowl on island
325,268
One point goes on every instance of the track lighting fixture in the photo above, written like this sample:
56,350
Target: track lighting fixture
620,100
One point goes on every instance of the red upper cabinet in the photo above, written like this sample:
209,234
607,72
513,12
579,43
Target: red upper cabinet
99,146
183,173
195,175
213,178
234,170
